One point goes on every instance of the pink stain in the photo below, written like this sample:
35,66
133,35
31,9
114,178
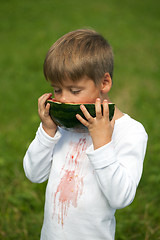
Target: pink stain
70,187
78,151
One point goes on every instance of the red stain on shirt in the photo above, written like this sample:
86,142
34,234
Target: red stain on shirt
70,187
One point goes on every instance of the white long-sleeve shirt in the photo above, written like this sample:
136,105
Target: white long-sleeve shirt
86,186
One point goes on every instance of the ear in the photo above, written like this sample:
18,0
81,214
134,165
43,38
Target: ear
106,83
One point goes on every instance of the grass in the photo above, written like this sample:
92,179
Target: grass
28,28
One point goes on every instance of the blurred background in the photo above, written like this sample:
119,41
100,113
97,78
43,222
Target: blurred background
27,30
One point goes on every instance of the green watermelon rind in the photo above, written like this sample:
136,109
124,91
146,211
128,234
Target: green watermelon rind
64,114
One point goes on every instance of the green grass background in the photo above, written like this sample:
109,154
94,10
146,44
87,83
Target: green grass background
27,30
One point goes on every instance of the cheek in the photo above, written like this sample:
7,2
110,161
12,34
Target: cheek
93,95
56,97
90,98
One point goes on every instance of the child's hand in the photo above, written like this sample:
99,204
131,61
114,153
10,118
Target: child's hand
47,123
100,127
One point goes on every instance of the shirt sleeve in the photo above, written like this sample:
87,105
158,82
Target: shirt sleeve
38,158
119,167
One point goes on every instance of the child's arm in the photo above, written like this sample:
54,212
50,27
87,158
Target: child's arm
118,166
38,158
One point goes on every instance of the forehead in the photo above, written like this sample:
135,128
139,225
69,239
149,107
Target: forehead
83,82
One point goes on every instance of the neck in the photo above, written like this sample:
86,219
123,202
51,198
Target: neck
117,114
105,97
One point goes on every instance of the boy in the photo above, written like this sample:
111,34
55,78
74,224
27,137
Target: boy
90,174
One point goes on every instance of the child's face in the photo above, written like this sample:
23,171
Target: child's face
82,91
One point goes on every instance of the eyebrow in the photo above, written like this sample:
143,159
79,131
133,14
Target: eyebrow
70,86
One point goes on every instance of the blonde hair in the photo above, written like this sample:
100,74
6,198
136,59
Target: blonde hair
80,53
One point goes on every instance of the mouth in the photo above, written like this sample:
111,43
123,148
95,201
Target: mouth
73,103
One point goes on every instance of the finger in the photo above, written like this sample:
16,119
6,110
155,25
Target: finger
112,122
46,113
86,113
82,120
43,99
98,108
105,109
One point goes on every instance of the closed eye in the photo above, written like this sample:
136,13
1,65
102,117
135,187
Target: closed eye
75,91
57,90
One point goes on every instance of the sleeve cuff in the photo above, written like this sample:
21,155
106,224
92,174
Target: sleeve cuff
45,139
102,157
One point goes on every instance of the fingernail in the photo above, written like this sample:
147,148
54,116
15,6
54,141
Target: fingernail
82,106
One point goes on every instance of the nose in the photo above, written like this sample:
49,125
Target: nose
64,98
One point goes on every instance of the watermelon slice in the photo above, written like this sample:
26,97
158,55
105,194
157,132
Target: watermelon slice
64,114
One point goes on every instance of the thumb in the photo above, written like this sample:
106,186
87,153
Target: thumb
47,109
112,122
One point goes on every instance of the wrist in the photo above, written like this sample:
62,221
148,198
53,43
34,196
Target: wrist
101,143
50,131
